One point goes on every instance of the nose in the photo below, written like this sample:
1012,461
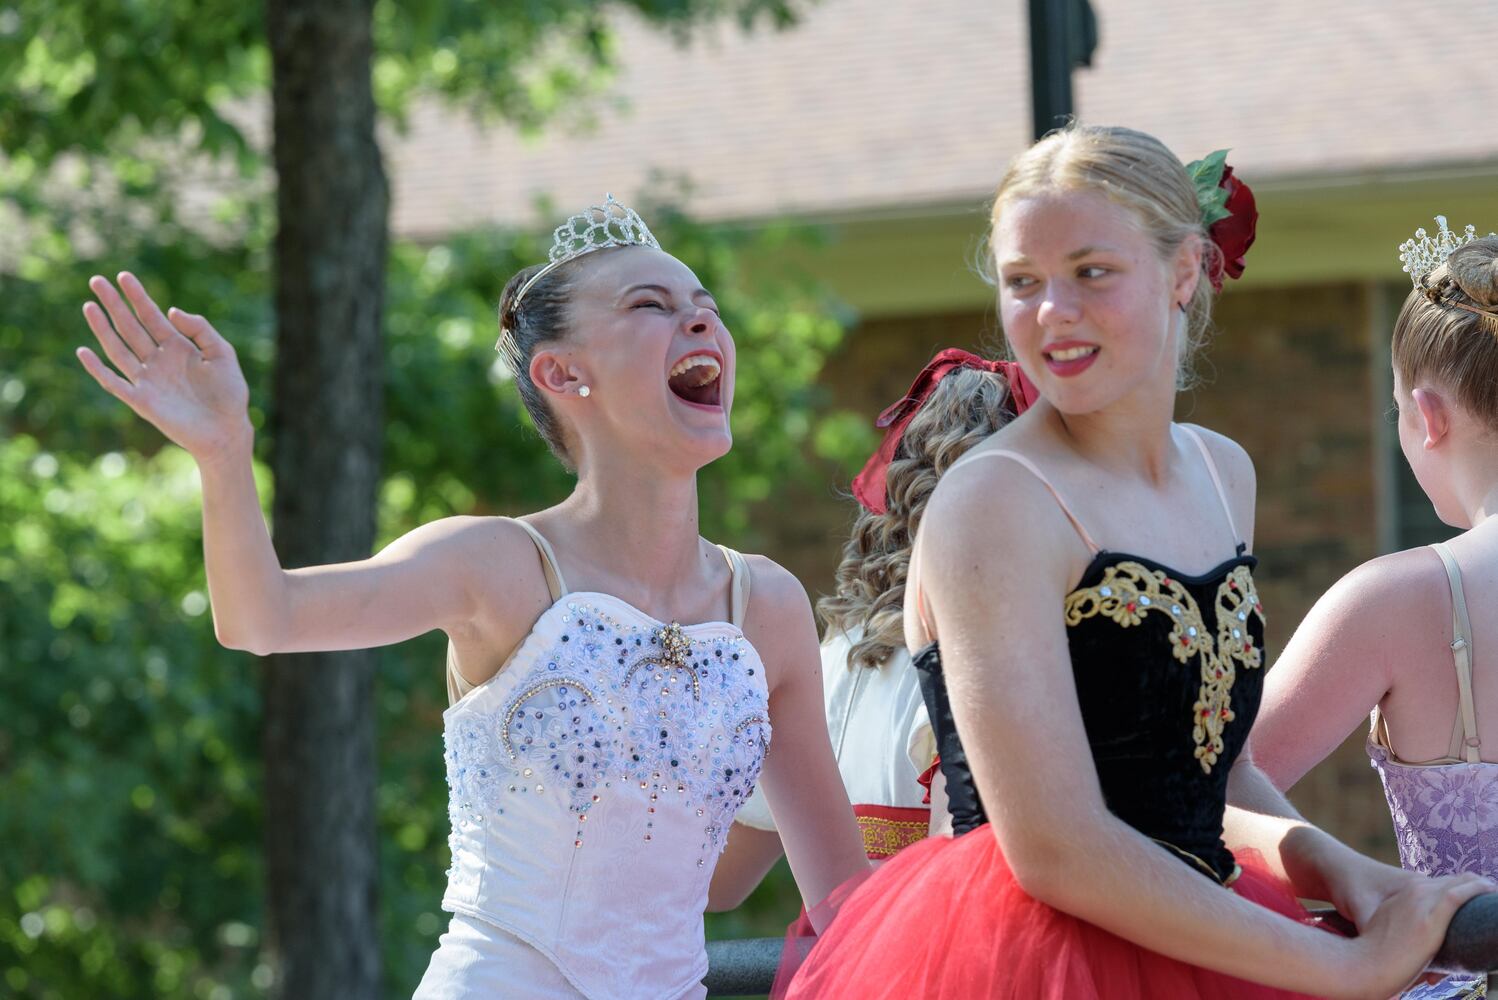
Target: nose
1058,307
701,322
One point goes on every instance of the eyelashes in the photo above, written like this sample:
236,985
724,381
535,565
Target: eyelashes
652,304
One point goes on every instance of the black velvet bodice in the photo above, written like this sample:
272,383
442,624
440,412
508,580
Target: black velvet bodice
1168,670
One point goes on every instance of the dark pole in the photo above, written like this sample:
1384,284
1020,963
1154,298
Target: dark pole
1051,32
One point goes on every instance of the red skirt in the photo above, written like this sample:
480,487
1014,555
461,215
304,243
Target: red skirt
946,919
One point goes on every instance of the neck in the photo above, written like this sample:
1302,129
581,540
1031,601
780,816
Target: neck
1131,437
638,522
1478,492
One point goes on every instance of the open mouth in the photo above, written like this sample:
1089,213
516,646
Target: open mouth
1071,354
696,379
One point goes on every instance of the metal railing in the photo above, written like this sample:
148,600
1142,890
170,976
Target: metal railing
746,967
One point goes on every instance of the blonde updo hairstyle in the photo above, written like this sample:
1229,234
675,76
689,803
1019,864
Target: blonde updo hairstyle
966,407
1439,337
1135,170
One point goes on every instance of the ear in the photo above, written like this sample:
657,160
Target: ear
553,372
1434,416
1187,272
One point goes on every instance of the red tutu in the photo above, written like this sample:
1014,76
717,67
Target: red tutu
946,919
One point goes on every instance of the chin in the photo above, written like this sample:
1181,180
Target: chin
1080,402
707,449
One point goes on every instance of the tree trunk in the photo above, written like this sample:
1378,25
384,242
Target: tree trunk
327,419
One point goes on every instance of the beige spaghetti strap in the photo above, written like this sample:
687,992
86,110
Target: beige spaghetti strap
739,588
1022,460
1461,653
549,565
457,684
1216,479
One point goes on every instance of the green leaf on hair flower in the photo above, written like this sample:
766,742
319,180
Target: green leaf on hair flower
1206,175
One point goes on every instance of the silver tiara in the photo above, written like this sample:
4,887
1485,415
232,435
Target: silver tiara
1423,255
598,227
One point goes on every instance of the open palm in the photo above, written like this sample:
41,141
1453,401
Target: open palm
173,368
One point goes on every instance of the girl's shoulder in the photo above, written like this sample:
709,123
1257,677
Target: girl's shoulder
1231,458
1400,594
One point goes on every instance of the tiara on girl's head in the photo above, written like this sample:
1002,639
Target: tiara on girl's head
598,227
1423,255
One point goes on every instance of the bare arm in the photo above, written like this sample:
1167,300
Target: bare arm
1005,657
800,779
748,858
1342,661
176,371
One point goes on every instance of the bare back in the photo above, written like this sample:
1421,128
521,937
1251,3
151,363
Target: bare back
1422,710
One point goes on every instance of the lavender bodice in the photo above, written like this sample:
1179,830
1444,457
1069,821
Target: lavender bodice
1445,815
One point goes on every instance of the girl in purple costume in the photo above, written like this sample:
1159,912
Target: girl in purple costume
1410,637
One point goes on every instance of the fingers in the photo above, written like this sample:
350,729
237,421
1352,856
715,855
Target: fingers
1468,886
115,349
146,309
198,330
126,325
105,376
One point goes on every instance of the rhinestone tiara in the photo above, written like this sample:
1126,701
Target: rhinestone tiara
598,227
1423,255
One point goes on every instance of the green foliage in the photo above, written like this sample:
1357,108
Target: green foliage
140,88
127,754
1206,176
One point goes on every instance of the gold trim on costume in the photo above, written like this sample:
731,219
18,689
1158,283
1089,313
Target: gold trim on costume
1129,591
883,838
1232,876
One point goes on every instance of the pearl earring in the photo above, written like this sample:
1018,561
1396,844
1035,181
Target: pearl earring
584,391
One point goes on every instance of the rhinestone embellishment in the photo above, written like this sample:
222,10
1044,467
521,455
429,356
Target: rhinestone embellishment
597,717
1129,592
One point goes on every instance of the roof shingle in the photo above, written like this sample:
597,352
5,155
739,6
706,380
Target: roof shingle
870,106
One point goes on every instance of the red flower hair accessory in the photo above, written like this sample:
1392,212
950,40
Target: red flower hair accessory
1228,212
869,486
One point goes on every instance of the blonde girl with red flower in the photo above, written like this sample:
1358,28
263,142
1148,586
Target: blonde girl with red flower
1089,637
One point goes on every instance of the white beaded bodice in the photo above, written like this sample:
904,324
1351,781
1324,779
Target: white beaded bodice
592,783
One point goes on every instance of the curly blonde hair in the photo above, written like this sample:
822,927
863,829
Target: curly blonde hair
967,406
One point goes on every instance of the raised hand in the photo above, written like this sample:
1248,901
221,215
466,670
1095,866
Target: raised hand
174,369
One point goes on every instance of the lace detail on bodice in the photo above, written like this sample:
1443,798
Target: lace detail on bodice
612,705
1445,815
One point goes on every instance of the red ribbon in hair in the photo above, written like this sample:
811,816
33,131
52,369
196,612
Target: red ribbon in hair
869,487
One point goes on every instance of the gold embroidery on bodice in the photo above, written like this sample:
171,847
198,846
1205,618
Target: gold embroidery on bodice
1129,591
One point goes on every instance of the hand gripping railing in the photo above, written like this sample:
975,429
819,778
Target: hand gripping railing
747,967
1471,944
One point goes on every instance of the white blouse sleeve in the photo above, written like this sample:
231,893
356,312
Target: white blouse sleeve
920,743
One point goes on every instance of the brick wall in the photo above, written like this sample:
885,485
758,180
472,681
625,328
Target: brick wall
1288,375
